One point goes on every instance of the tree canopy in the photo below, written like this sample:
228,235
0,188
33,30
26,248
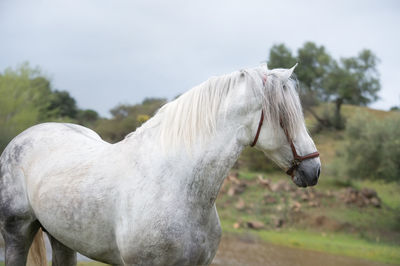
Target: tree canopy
27,98
352,80
126,118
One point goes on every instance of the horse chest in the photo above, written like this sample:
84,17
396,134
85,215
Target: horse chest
169,241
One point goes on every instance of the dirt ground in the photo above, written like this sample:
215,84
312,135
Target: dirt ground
234,251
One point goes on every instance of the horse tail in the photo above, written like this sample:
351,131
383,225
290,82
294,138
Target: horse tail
37,252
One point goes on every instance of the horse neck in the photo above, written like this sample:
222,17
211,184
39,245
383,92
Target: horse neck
207,167
200,171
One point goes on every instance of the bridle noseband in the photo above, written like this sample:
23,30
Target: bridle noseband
297,159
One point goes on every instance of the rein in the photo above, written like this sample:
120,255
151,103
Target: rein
297,159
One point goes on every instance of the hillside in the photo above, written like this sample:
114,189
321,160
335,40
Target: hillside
340,215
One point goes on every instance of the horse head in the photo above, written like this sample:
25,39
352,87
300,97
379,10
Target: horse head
276,124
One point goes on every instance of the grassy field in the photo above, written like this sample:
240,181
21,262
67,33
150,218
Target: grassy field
365,232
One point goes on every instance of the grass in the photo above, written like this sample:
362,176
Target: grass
335,243
367,232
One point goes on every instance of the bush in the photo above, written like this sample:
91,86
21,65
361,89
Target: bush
373,148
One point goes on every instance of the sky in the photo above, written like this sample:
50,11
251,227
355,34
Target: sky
110,52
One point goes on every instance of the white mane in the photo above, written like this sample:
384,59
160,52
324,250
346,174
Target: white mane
193,116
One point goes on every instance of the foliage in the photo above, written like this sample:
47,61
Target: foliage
126,118
281,56
22,100
87,116
373,148
353,80
27,98
314,62
61,104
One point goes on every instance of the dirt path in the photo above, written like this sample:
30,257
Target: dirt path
236,252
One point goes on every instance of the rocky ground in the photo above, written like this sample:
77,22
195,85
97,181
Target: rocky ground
285,204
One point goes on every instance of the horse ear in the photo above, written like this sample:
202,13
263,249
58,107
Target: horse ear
289,72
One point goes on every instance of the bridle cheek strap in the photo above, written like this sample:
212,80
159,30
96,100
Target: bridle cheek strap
258,129
297,159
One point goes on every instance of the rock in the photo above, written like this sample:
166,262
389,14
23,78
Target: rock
313,203
237,189
264,182
304,196
311,195
233,178
255,225
240,205
237,225
376,202
369,193
231,191
296,206
361,198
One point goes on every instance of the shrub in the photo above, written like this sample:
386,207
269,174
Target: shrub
373,148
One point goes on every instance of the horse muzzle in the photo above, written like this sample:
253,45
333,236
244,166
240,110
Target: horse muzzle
307,173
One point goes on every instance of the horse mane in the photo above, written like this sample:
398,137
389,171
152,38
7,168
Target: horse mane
193,116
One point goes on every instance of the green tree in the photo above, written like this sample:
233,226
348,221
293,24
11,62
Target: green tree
22,98
61,104
27,98
281,56
353,80
314,64
87,116
126,118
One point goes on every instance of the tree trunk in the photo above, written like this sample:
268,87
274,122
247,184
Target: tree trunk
338,122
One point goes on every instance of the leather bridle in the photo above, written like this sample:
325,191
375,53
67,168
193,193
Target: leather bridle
297,159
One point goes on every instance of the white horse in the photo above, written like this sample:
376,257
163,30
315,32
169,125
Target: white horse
149,199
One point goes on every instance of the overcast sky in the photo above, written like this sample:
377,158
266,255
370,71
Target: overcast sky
106,52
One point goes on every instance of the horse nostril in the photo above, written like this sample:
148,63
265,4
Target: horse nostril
318,172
